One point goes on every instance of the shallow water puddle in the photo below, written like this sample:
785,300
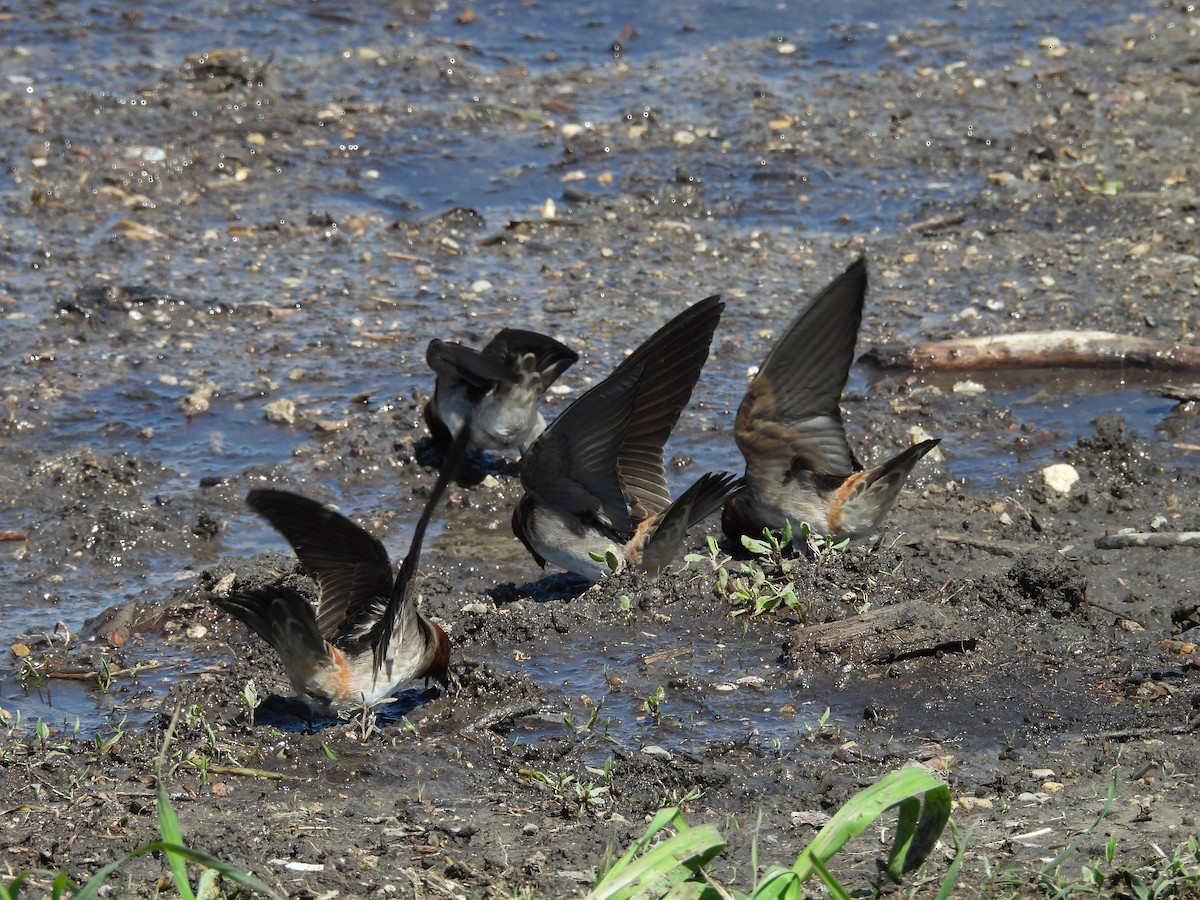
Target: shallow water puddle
1040,412
715,689
676,693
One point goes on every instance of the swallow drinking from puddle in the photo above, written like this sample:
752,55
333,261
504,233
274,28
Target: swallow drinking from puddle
497,389
799,465
365,637
595,481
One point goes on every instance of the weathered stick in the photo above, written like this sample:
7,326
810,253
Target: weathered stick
882,635
1184,393
246,772
1148,539
1039,350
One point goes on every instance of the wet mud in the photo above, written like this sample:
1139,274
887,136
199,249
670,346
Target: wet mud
212,281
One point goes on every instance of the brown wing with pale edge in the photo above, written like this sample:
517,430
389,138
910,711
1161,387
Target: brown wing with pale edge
699,501
282,617
671,360
790,419
351,568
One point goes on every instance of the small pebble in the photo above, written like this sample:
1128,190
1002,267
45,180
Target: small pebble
281,411
1060,477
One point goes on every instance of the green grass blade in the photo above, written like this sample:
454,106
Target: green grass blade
960,853
693,890
91,890
866,806
778,883
661,868
12,890
168,827
1070,849
836,891
908,812
921,825
206,886
63,886
226,870
669,815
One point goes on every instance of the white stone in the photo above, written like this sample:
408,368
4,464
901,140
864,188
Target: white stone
281,411
1060,477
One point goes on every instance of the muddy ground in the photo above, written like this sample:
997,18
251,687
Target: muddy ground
226,275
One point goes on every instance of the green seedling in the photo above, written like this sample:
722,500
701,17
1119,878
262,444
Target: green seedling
608,558
249,700
823,547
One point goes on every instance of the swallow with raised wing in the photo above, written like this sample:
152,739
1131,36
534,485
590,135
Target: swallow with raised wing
595,480
364,637
799,465
497,389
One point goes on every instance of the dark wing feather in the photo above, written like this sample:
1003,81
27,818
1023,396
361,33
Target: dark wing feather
400,616
466,364
280,616
791,412
351,568
671,360
551,358
699,501
573,464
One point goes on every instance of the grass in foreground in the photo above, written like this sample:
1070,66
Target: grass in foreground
674,868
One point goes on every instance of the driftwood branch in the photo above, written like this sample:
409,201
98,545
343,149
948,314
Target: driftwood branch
1184,393
908,629
1149,539
1038,350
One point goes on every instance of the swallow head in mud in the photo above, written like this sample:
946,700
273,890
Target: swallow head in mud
497,389
799,465
364,637
595,481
